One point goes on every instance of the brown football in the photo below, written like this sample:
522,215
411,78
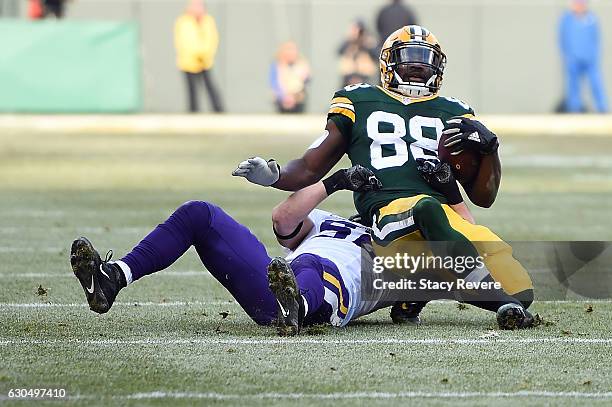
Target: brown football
465,165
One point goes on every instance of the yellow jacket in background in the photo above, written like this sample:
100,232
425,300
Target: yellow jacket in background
196,42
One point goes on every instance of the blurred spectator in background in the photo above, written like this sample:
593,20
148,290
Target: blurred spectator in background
38,9
54,8
358,59
196,40
393,17
288,77
580,43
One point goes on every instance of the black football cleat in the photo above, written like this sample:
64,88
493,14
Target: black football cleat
290,306
404,312
514,316
100,280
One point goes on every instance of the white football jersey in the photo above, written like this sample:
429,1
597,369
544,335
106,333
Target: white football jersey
339,240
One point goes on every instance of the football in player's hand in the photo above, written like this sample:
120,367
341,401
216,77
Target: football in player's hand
465,165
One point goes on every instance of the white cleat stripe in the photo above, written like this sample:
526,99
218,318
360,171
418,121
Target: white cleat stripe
90,289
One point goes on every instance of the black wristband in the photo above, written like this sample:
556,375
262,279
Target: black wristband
291,235
335,182
454,198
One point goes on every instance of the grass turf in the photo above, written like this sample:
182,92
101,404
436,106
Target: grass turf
115,188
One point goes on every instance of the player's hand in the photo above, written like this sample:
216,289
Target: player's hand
440,176
361,179
356,178
258,171
464,133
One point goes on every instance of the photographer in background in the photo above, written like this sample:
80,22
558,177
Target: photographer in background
358,59
393,16
55,8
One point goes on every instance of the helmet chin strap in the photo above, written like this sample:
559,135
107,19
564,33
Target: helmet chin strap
415,89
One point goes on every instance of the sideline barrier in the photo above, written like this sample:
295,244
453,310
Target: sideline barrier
69,66
244,125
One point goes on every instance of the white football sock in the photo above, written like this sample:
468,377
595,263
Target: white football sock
127,272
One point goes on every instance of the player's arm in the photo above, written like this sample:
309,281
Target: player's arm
301,172
290,218
483,190
467,133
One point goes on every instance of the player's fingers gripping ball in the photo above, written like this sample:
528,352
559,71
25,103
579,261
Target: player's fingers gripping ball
440,176
433,170
464,133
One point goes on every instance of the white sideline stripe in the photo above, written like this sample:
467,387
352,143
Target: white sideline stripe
369,395
176,273
336,396
120,304
307,341
272,124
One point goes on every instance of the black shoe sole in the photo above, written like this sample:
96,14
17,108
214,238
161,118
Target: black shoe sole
513,318
284,286
402,316
83,259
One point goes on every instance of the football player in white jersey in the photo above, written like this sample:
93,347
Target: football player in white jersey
325,260
337,252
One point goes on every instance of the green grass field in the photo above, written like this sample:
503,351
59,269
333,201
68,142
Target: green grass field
165,342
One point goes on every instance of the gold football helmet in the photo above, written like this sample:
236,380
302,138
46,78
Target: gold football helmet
412,62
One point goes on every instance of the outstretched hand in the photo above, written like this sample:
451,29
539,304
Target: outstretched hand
258,171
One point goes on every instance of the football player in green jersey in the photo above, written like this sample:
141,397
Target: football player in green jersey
394,130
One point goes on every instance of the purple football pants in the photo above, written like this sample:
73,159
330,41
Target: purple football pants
232,254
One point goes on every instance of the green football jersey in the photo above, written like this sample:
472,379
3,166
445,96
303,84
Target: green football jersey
387,133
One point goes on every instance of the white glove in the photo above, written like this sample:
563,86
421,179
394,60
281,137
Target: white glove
258,171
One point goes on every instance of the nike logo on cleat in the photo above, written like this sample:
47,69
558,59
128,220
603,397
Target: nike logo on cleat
103,272
90,290
283,311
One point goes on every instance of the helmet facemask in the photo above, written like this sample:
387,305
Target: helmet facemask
416,69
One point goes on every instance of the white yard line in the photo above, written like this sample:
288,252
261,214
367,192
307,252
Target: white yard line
7,305
305,341
368,395
341,396
10,249
120,304
98,230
